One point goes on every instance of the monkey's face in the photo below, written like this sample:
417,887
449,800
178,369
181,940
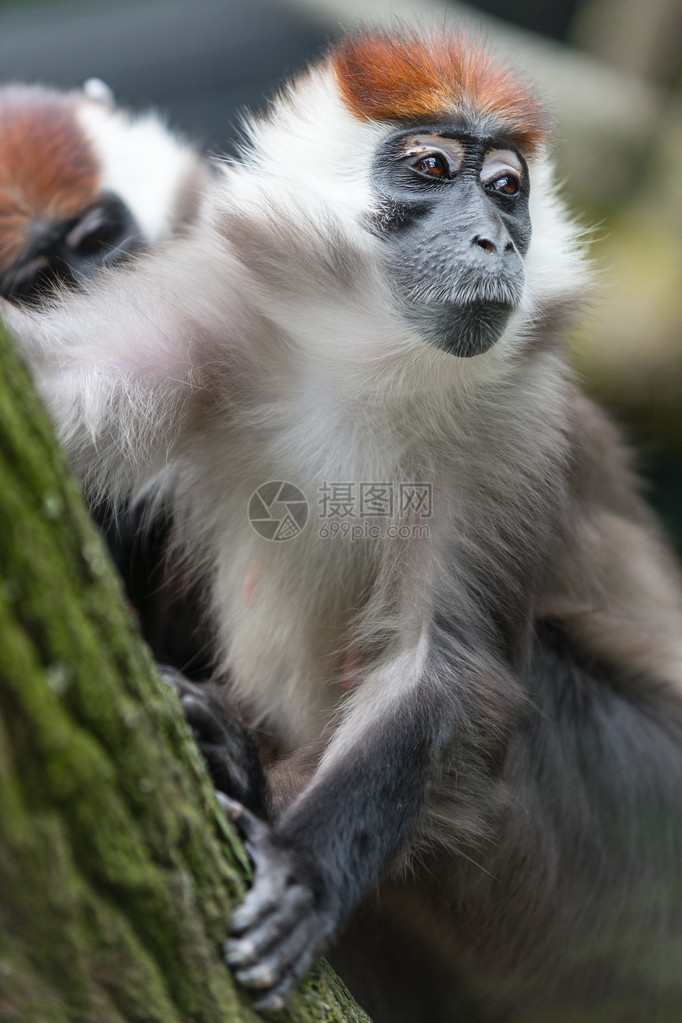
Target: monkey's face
454,216
83,185
60,218
72,250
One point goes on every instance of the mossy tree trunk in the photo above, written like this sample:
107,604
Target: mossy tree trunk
117,871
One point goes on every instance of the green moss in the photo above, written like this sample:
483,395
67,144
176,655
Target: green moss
117,871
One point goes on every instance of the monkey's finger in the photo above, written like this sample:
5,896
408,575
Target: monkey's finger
255,833
261,900
271,895
175,679
251,828
227,805
201,718
291,910
221,764
222,770
276,997
280,964
270,1003
237,813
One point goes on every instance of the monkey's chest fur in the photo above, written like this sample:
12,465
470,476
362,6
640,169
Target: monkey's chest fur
300,621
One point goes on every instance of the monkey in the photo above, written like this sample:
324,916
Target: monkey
471,701
85,184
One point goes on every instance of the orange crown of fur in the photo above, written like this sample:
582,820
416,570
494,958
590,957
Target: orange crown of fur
48,170
399,76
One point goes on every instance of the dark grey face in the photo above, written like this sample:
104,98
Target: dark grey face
454,216
71,251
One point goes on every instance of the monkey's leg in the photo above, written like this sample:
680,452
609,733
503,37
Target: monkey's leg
224,742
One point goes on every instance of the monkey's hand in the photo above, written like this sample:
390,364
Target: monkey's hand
278,929
225,744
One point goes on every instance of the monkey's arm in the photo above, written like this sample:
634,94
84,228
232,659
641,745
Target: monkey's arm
339,836
129,365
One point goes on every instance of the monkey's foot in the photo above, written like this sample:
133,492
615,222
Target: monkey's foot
278,929
224,743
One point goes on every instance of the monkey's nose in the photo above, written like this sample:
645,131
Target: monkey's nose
493,247
485,243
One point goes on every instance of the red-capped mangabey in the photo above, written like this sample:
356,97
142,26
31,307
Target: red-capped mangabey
478,698
84,184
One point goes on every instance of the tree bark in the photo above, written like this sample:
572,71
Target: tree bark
117,869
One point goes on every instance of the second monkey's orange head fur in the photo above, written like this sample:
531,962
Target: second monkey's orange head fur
48,168
403,76
84,184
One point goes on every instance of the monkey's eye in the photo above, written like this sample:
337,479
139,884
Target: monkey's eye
502,172
94,231
508,184
433,156
432,166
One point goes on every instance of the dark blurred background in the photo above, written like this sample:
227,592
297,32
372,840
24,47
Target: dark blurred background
611,70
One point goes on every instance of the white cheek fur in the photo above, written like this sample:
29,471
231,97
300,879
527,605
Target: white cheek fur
142,162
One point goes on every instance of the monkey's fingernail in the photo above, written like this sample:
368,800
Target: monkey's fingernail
231,809
256,977
272,1004
240,953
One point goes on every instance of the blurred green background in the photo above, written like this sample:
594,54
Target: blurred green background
610,69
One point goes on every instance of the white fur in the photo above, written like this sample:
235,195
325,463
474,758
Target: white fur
321,170
144,163
268,346
555,262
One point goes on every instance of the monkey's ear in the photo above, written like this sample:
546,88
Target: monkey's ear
97,90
